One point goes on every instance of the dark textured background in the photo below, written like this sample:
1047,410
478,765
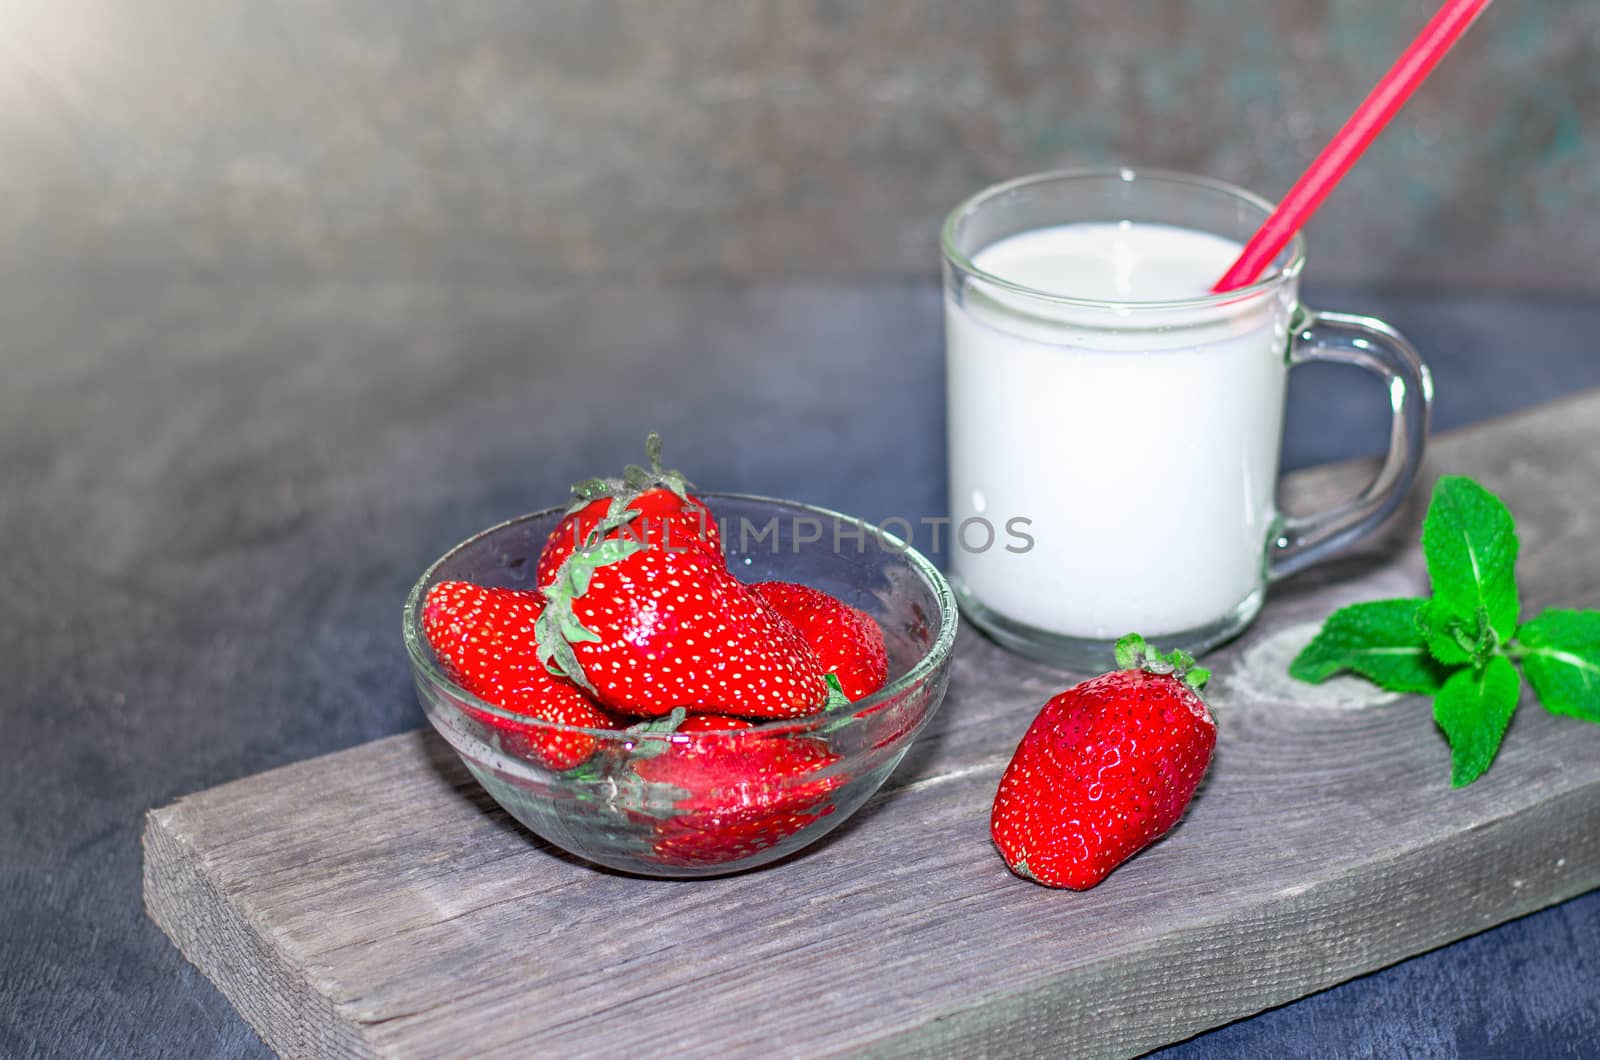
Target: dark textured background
772,138
289,303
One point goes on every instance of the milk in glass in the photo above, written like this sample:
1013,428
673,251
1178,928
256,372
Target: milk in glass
1139,444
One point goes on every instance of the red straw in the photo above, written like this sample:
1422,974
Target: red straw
1363,127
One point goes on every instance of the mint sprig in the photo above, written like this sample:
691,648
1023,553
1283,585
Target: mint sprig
1379,641
1470,542
1473,708
1460,645
1560,653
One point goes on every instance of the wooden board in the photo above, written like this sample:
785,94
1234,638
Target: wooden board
376,902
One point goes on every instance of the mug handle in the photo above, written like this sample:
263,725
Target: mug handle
1299,541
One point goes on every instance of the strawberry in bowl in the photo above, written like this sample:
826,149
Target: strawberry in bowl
688,684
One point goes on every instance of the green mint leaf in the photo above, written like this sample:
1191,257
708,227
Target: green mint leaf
1561,656
1380,641
1454,640
1473,708
1470,542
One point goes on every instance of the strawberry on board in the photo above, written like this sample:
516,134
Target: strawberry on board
484,638
647,629
734,795
1106,769
650,505
847,641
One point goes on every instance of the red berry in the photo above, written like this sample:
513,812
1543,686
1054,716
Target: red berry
738,794
647,627
484,639
650,506
713,723
1107,768
647,630
664,520
848,643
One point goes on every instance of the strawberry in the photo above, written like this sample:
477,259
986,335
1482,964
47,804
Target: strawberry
1107,768
484,638
713,723
652,506
736,795
848,643
719,837
647,629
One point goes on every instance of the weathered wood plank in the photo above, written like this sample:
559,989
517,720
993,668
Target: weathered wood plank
376,902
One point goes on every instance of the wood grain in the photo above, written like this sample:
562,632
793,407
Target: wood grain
375,902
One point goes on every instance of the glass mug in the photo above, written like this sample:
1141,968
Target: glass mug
1113,464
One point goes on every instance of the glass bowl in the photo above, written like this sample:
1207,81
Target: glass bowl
707,803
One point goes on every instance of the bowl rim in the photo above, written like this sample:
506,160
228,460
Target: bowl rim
423,660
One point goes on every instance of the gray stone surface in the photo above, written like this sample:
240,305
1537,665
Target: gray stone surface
215,493
419,139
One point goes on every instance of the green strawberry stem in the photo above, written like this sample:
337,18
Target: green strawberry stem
559,627
1135,653
837,704
635,480
593,771
837,700
666,723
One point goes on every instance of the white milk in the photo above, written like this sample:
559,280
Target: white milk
1141,443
